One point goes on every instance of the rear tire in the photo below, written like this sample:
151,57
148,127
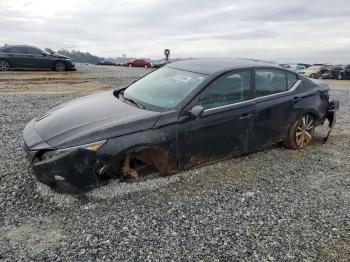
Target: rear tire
300,132
60,66
146,66
4,65
130,65
339,76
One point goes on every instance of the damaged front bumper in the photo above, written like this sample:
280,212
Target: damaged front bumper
66,170
333,107
71,171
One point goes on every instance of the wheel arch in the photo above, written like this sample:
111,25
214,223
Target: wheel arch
152,155
318,116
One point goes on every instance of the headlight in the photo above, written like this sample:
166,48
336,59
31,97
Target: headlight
92,147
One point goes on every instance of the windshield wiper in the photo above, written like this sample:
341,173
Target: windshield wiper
131,100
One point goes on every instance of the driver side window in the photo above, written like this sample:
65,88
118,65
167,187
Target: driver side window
230,89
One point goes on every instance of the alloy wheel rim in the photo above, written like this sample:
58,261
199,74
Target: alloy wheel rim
4,65
304,132
59,66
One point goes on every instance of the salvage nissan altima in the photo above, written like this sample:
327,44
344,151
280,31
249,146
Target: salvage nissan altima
185,114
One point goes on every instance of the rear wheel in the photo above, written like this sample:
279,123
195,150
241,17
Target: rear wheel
130,65
300,132
60,66
340,76
4,65
146,66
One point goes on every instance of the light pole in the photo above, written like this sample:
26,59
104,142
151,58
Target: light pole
167,54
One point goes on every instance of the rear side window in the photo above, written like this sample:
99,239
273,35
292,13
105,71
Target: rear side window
291,79
18,50
269,82
33,51
228,90
6,50
13,50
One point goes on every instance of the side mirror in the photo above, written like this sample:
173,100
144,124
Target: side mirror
196,111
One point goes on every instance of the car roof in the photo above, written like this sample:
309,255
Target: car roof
212,66
8,46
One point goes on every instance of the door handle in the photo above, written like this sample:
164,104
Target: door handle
244,116
297,99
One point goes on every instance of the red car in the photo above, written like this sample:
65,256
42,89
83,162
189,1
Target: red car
138,63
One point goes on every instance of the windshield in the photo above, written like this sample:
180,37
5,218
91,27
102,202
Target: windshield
164,88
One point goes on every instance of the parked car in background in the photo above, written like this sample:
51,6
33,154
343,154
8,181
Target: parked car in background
30,57
161,64
295,67
184,114
314,71
106,62
138,63
340,72
304,65
287,66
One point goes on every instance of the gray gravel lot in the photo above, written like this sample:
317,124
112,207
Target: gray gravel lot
275,205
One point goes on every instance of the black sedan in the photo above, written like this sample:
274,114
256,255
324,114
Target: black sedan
29,57
182,115
105,62
339,72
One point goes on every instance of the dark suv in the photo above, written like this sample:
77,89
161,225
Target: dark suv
29,57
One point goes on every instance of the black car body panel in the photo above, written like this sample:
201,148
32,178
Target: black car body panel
29,57
109,63
219,132
92,118
340,72
75,170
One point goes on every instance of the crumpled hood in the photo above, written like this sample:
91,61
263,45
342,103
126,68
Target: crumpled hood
90,119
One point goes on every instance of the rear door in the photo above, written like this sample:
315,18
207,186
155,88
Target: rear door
274,111
16,56
223,128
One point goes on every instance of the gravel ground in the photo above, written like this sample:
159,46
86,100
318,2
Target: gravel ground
275,205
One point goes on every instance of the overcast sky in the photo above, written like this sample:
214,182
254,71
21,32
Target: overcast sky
279,30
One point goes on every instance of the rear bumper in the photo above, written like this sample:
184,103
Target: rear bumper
333,107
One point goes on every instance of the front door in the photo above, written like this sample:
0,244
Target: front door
38,59
223,128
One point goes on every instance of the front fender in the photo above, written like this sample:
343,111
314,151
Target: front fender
159,138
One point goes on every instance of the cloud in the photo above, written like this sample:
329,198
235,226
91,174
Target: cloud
271,29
